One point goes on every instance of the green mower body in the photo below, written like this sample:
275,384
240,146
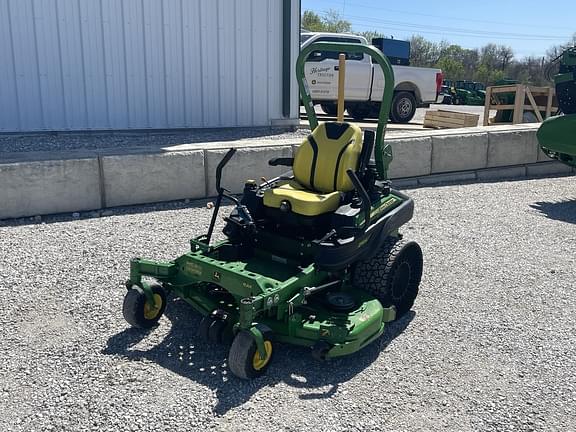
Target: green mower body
329,281
557,135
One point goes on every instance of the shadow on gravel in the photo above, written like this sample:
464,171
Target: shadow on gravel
564,211
181,352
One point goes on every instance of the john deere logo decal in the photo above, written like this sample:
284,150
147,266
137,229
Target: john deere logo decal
216,276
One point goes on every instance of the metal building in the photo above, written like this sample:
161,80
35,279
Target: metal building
138,64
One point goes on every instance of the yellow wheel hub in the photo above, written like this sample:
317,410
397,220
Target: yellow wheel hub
151,312
257,362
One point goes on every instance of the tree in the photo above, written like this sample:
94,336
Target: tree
334,23
423,53
505,54
312,22
331,22
370,34
452,69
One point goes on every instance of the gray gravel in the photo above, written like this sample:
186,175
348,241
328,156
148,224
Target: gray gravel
119,140
490,345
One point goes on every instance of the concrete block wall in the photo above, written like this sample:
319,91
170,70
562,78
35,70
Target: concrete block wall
98,180
144,178
53,186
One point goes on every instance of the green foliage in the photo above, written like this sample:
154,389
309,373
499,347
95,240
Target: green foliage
331,22
453,69
371,34
424,53
312,22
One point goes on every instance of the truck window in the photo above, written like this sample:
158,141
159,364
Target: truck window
322,55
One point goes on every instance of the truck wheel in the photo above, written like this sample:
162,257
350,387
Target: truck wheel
403,107
359,111
330,109
392,275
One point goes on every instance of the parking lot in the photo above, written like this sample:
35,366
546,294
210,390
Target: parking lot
489,345
414,125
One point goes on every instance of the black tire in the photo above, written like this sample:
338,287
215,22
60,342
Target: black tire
204,328
360,110
403,107
216,330
320,350
393,274
137,312
241,357
330,109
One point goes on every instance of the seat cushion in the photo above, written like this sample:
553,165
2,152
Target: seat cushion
321,161
302,201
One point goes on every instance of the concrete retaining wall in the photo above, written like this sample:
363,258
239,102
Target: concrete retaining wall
98,180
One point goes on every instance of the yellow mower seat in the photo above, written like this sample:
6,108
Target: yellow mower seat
320,167
302,201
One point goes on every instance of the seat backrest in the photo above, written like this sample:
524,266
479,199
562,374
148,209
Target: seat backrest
324,157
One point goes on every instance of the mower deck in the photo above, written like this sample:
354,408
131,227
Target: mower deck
276,290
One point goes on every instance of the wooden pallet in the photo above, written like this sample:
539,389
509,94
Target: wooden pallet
539,100
450,119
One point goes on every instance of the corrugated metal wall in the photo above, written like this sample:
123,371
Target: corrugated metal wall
134,64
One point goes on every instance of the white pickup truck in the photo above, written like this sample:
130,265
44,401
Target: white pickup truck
364,83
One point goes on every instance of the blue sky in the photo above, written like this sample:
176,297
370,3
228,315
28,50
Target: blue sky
529,27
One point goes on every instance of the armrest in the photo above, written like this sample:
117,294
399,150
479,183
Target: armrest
283,161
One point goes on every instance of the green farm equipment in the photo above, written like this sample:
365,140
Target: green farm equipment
312,258
557,135
468,93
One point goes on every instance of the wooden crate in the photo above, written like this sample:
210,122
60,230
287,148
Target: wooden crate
450,119
539,100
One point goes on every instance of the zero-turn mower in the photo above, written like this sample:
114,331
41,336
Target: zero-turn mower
557,135
311,258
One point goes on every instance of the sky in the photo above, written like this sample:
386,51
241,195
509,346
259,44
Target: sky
529,27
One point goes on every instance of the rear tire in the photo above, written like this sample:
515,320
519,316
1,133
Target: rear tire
392,275
403,107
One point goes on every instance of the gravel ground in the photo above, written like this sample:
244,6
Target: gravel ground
489,346
118,140
10,144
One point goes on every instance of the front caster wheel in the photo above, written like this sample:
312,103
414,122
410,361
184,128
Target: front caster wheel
320,350
138,312
215,328
244,359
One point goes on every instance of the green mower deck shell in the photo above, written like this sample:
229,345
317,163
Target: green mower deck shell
557,138
276,294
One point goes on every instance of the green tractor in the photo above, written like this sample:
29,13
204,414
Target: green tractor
557,135
312,258
468,93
